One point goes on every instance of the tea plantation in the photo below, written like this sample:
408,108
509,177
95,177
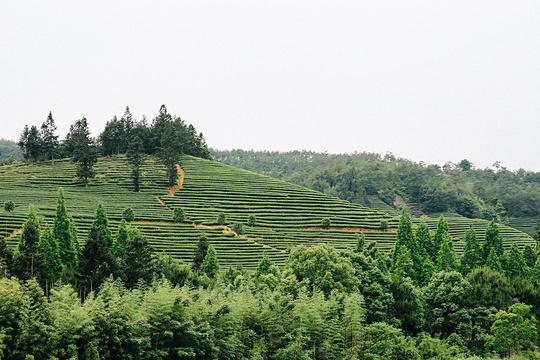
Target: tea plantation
286,215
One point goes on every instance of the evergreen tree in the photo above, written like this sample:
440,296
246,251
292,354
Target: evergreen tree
49,141
138,262
96,261
425,243
200,252
23,143
210,264
406,238
404,265
493,240
63,234
135,156
537,235
493,261
472,253
82,149
28,261
447,259
121,240
428,269
529,256
325,223
516,263
101,222
51,254
35,326
442,230
170,152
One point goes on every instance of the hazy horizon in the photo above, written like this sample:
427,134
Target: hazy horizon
424,80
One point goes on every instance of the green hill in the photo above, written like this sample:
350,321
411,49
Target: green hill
286,215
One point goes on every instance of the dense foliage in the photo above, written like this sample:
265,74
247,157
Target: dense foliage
167,137
475,193
115,299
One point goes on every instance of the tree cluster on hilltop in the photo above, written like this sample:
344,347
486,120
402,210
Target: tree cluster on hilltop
167,137
113,298
474,193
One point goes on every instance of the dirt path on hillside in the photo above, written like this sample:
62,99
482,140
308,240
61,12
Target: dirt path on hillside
180,181
14,233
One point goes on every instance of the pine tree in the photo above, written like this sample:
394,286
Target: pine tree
428,269
442,230
96,261
210,264
406,238
63,235
425,243
139,263
121,240
51,254
101,222
48,139
200,252
28,261
516,263
170,152
493,240
472,253
135,156
447,259
529,256
404,265
493,261
82,149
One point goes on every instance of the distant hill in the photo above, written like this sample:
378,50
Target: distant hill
286,214
9,149
511,197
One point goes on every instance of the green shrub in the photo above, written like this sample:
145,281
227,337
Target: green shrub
179,216
128,215
238,228
325,223
251,220
221,219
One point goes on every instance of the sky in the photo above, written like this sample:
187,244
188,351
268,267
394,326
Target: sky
430,81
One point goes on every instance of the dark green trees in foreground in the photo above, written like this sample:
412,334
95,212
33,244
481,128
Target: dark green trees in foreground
117,300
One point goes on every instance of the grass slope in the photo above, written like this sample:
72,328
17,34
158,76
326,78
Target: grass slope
287,215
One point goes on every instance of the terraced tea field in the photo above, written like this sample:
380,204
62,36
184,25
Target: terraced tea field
286,215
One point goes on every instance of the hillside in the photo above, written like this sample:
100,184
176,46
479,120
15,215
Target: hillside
368,178
286,215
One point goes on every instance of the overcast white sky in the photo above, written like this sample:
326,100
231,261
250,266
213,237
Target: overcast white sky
431,81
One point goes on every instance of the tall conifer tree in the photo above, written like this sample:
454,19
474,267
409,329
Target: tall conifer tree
472,253
63,235
442,230
447,259
493,240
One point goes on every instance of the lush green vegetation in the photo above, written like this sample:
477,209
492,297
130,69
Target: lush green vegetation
365,178
163,254
115,299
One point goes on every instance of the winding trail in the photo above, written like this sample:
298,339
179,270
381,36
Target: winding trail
180,181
